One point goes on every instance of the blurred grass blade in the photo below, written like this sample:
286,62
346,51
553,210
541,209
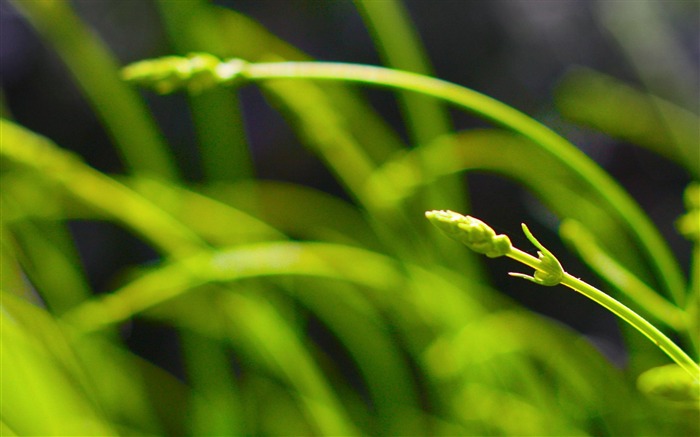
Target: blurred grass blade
255,322
218,222
266,344
689,226
345,263
12,279
503,153
192,26
511,351
40,378
42,244
214,406
426,118
299,211
96,71
26,149
655,248
664,62
249,40
496,409
5,430
400,47
366,334
619,110
281,258
137,395
52,264
325,130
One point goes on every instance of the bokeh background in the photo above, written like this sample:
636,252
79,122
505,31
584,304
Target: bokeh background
516,51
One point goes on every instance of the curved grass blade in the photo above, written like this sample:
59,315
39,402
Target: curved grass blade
299,211
41,377
97,73
24,148
623,112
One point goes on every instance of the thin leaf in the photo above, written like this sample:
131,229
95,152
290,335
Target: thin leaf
97,72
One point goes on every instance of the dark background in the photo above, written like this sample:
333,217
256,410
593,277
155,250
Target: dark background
514,51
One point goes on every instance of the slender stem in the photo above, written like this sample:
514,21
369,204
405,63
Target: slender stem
620,310
621,278
637,321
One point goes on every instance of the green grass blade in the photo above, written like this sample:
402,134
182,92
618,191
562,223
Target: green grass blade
5,430
219,222
97,73
249,40
299,211
256,323
192,26
265,340
361,328
564,191
400,47
12,279
603,103
326,132
40,378
215,406
664,63
51,262
42,242
26,149
332,261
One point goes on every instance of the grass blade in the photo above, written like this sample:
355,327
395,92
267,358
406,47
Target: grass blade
97,73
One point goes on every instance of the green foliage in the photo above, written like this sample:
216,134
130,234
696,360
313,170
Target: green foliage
248,269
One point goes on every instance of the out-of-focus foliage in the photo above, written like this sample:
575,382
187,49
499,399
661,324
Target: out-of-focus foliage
299,312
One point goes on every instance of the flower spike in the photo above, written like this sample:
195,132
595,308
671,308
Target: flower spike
195,72
475,234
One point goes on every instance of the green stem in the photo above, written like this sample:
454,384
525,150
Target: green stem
617,308
637,321
621,278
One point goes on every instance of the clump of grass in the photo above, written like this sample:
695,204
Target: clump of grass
302,313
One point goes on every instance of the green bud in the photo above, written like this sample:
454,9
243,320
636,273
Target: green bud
472,232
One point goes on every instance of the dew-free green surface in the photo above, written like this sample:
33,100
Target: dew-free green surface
299,312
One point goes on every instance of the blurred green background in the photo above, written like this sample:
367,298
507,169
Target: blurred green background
383,326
